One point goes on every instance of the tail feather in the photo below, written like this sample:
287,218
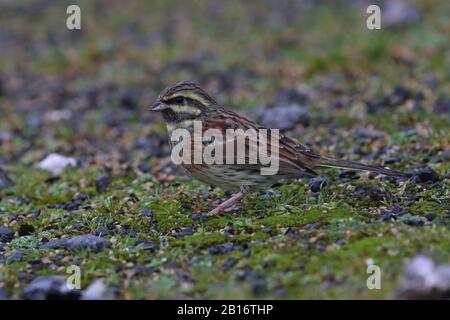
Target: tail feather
347,164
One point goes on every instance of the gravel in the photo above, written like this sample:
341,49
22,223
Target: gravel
49,288
6,234
87,241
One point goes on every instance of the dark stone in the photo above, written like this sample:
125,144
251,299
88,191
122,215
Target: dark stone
391,213
3,295
5,181
431,216
6,234
53,244
199,217
281,292
69,206
370,192
390,160
49,288
222,248
442,107
17,255
426,175
184,232
148,246
349,175
87,241
146,213
128,100
318,183
284,117
25,229
412,220
36,261
230,263
145,168
258,285
266,230
102,232
35,213
102,183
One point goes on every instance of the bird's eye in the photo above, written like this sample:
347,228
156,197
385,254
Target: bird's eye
179,100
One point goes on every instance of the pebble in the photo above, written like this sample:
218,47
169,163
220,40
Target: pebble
56,163
318,183
222,248
230,263
349,175
5,181
426,175
6,234
102,183
284,117
184,232
87,241
49,288
97,290
146,213
148,246
17,255
424,280
25,229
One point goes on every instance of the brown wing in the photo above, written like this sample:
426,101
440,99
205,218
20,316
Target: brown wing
293,156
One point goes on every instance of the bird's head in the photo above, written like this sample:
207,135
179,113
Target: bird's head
184,101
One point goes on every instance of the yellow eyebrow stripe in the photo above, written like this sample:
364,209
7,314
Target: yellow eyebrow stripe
187,94
186,109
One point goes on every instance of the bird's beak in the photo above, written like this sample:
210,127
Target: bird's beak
158,106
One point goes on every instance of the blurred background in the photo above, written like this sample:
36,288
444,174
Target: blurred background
311,68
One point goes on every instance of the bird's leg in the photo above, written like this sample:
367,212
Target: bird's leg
228,203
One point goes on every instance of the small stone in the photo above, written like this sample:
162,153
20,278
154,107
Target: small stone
199,217
266,230
102,183
49,288
426,175
102,232
230,263
17,255
431,216
349,175
6,234
146,213
284,117
258,286
87,241
35,213
184,232
390,160
318,183
5,181
148,246
3,295
56,163
424,280
97,291
128,100
142,166
25,229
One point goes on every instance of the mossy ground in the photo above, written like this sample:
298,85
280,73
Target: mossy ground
286,243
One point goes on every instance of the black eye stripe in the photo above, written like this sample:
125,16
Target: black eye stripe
180,100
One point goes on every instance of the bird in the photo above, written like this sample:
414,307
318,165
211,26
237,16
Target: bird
185,103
